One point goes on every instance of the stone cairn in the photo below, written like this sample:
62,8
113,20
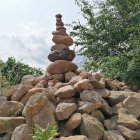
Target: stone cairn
61,55
83,105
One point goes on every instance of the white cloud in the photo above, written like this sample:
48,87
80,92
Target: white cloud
31,45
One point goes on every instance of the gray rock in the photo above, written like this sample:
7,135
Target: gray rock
117,97
8,124
128,134
65,92
84,84
86,107
64,110
91,127
58,47
91,96
39,111
113,135
10,108
22,132
64,54
132,104
128,120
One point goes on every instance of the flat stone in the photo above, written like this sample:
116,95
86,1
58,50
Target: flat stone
74,121
60,39
86,107
10,123
113,135
59,47
132,104
64,110
58,32
117,97
128,120
10,108
84,84
64,54
128,134
22,132
61,66
76,79
22,90
65,92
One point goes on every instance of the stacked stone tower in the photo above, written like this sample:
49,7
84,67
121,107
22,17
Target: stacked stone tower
61,55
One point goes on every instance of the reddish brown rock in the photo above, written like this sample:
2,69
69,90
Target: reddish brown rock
74,121
58,32
60,39
32,91
61,66
20,92
39,111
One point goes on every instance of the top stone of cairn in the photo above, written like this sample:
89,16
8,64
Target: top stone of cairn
60,36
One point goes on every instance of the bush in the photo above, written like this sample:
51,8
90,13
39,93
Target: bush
14,70
44,134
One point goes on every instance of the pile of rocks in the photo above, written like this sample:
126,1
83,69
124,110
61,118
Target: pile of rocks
61,55
83,105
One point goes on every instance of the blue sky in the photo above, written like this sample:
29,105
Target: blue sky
26,26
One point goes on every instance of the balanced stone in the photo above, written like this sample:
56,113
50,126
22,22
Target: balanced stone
58,16
64,54
59,47
58,32
59,23
61,66
60,39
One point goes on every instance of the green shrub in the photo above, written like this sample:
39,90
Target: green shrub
14,70
44,134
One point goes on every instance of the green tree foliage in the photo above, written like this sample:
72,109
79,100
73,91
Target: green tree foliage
3,81
44,134
110,38
14,70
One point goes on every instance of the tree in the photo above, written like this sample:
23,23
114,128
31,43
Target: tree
14,70
110,39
